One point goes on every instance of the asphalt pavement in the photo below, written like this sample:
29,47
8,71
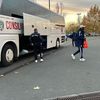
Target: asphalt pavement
57,76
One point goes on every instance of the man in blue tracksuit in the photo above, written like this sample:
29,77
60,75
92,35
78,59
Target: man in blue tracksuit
79,43
79,40
37,42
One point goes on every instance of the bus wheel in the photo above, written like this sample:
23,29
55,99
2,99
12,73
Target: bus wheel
7,56
58,44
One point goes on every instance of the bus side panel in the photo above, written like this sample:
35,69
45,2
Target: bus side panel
10,25
9,38
31,22
51,41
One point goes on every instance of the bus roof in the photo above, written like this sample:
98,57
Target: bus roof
18,7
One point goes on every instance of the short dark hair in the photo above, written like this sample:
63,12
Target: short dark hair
35,30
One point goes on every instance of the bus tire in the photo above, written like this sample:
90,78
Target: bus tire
8,55
57,43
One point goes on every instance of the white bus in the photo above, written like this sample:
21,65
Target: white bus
17,21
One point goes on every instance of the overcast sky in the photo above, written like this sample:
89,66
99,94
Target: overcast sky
71,6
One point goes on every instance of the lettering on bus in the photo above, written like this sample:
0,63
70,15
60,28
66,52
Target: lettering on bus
1,25
14,25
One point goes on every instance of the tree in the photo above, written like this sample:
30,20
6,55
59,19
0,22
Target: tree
92,20
72,27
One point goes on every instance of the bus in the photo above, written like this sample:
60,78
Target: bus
18,18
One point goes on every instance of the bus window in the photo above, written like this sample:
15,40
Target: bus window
17,16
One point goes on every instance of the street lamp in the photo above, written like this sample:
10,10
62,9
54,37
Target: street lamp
49,4
0,3
78,14
61,8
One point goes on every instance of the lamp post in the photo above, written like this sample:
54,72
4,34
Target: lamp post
0,3
61,8
49,4
78,14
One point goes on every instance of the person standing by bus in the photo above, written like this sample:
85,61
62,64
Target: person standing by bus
37,42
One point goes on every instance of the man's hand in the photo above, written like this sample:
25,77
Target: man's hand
32,44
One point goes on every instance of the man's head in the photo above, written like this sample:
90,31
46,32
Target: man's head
35,30
82,26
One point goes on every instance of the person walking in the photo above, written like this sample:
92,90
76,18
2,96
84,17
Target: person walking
79,40
37,43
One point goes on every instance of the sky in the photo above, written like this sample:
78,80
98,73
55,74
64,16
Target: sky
70,7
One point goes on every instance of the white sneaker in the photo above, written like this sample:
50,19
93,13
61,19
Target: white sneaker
82,59
36,61
41,60
73,57
42,54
